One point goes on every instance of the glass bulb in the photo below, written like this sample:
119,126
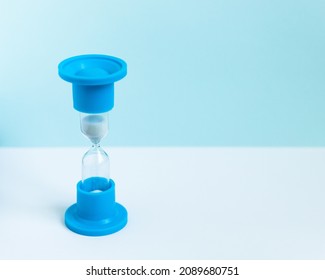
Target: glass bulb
94,126
95,169
95,163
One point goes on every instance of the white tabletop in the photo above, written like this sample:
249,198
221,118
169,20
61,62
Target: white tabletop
183,203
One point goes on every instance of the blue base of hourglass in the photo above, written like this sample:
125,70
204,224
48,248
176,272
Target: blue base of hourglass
96,213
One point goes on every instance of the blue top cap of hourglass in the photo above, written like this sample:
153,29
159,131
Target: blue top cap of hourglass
92,77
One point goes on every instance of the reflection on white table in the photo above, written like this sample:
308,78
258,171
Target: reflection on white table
183,203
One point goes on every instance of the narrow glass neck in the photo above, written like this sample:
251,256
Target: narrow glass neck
95,146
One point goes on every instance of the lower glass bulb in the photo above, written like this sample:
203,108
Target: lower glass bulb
95,169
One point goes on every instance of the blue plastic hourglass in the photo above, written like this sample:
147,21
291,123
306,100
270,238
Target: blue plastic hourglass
92,76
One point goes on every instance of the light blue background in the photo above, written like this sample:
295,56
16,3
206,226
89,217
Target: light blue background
201,73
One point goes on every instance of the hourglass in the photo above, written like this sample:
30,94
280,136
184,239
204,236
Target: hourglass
92,76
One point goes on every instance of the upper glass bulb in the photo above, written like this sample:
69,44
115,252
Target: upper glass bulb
94,126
